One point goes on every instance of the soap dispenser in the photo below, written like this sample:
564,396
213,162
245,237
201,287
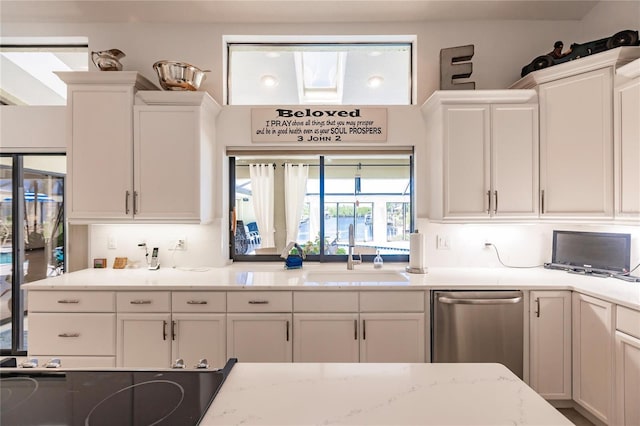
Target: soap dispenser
377,261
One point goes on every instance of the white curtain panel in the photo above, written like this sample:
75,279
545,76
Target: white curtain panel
262,191
295,188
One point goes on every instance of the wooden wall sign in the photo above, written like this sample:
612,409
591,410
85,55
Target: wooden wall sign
319,124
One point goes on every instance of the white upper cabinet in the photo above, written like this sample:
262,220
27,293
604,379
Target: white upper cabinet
173,156
576,136
626,113
483,148
576,145
150,162
100,143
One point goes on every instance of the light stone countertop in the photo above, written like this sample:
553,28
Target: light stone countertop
377,394
273,276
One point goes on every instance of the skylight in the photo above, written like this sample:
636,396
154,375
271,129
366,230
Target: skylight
27,76
320,76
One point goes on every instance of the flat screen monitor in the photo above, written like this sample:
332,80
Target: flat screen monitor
592,251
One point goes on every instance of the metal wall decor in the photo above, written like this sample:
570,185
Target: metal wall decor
455,64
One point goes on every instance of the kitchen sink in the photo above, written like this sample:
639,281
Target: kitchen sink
360,277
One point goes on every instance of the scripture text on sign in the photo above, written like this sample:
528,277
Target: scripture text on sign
319,124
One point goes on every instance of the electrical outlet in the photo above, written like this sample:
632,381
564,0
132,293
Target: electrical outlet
443,242
112,242
178,244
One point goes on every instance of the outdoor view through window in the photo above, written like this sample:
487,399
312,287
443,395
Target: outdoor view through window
312,200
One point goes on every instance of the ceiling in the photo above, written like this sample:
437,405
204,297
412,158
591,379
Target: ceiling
287,11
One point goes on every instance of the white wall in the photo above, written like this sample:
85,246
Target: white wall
33,129
204,247
518,244
607,18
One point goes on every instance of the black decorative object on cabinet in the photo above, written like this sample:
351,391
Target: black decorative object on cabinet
579,50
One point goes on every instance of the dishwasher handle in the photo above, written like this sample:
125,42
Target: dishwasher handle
466,301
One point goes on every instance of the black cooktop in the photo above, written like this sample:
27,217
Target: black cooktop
108,397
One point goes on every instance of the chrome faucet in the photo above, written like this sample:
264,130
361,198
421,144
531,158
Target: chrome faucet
350,260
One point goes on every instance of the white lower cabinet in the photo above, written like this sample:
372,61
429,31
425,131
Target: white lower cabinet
627,377
144,340
71,334
157,328
259,326
367,326
392,337
259,337
550,343
158,340
78,327
593,322
326,338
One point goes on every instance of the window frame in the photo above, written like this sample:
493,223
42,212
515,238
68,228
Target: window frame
261,40
322,257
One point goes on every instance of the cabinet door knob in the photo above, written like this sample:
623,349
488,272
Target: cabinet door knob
355,329
537,307
542,200
197,302
75,301
258,302
488,201
287,330
126,202
164,330
495,206
69,335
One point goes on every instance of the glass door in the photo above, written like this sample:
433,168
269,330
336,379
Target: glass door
32,247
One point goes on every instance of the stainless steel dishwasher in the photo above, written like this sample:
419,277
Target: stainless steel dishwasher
478,326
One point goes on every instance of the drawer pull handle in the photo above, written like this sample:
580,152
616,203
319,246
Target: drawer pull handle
140,302
197,302
258,302
69,335
69,301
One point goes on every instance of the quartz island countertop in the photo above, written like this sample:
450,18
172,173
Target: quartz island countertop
377,394
272,276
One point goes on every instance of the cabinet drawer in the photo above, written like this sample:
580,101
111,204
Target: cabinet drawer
329,301
144,301
72,301
259,301
198,301
392,301
72,334
628,321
